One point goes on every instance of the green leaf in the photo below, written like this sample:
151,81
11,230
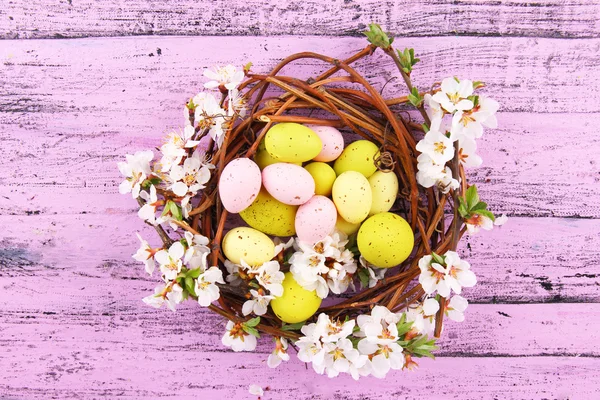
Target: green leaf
462,208
189,285
247,67
478,84
425,128
176,211
437,258
252,322
479,206
407,60
363,276
376,36
485,213
414,97
472,197
167,208
292,327
250,330
194,273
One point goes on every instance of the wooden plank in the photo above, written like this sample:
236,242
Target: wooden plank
81,165
527,260
71,103
546,18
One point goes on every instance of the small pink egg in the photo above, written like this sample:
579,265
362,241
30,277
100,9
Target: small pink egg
333,142
315,219
239,184
289,183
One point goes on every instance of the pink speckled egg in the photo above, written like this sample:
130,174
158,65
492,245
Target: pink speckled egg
333,142
315,219
239,184
288,183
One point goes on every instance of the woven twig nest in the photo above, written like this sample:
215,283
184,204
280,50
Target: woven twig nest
438,205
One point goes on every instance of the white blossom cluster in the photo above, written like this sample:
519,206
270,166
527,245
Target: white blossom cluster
468,114
366,346
327,265
166,187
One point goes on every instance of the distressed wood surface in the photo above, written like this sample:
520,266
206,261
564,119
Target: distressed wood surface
72,324
527,261
79,18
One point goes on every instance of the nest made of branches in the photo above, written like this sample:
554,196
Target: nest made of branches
363,111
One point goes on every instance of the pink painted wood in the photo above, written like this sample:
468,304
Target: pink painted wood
72,324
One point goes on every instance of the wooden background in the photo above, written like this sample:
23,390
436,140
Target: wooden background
84,82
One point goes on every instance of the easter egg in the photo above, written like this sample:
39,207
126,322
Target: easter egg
288,183
351,194
296,304
358,156
384,187
333,142
291,142
323,175
270,216
247,244
239,184
315,219
385,240
262,157
346,227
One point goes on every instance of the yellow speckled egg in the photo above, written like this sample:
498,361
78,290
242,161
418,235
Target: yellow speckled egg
296,304
263,159
351,194
254,247
270,216
385,240
292,143
344,226
358,156
323,175
384,187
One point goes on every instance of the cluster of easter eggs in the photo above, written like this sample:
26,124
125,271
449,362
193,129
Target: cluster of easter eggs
304,182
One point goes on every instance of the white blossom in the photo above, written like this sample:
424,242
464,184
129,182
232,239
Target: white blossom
456,307
281,245
453,95
256,390
501,220
169,295
145,254
454,275
236,103
459,271
227,76
466,153
271,278
470,123
437,146
434,112
279,354
233,277
205,287
375,274
331,331
236,338
170,261
197,251
341,356
175,147
148,211
422,315
209,115
476,222
257,304
135,170
382,357
189,177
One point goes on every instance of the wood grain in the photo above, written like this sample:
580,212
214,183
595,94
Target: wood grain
71,103
545,18
529,260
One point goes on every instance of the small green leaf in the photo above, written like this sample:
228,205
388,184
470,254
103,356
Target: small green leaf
407,60
472,197
194,273
250,330
485,213
414,97
247,67
437,258
462,208
363,276
479,206
252,322
376,36
425,128
478,84
189,285
176,211
292,327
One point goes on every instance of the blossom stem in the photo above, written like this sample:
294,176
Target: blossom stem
392,53
167,241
